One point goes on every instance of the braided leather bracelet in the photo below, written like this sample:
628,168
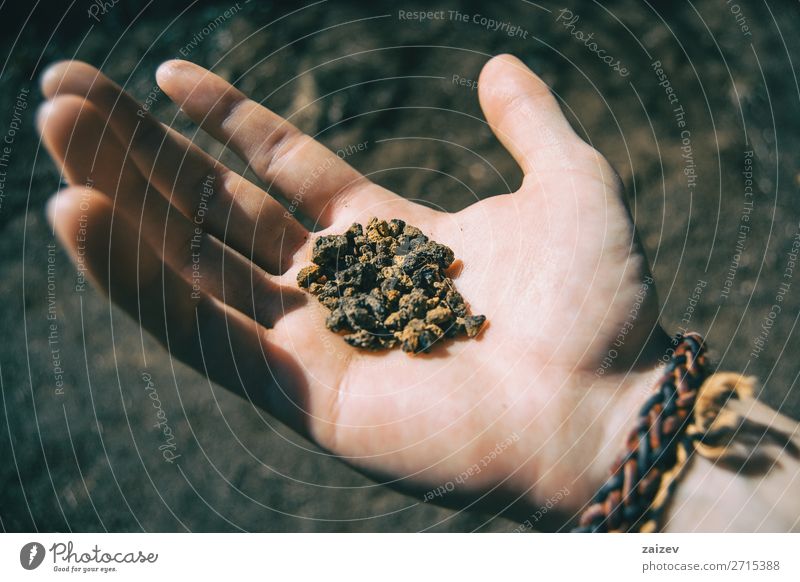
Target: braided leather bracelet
656,450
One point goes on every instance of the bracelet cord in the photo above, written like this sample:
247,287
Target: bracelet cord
657,449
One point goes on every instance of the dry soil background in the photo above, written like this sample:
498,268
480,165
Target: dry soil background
88,459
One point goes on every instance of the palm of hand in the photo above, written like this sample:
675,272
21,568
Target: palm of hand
553,266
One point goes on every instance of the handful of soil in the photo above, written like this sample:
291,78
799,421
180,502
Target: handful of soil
387,286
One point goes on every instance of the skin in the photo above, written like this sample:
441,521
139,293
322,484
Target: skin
554,266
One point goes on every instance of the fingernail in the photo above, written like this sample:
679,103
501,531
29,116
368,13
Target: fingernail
42,113
51,77
51,209
167,70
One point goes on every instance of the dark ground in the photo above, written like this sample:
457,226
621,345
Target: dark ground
88,459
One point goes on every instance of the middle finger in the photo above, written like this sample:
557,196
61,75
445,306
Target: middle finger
239,213
74,133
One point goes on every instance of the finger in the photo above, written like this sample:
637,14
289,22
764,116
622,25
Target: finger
525,116
224,344
300,169
73,132
239,213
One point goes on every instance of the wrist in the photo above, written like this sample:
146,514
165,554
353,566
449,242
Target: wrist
611,413
738,465
598,419
620,401
592,423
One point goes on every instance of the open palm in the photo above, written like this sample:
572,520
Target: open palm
206,261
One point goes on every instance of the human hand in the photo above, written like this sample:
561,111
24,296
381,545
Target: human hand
554,266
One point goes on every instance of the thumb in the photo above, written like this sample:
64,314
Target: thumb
525,116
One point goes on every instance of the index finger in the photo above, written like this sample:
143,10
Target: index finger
311,177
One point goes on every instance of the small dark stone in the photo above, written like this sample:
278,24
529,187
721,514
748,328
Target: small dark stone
336,320
473,323
396,227
414,304
413,232
354,233
456,302
441,315
426,276
329,249
361,276
363,339
418,336
309,276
